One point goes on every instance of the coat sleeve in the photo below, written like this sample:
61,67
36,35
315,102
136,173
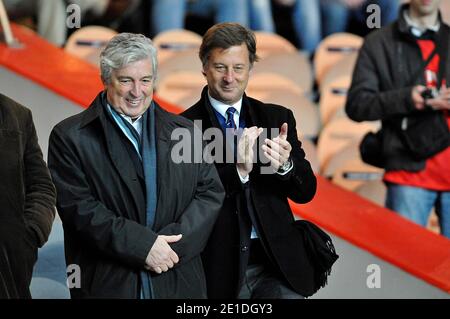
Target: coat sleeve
82,214
198,219
40,195
300,183
365,100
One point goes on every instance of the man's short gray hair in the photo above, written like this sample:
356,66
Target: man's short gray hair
126,48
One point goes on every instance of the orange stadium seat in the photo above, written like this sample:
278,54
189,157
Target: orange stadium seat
338,114
88,42
354,173
340,133
271,43
182,61
293,65
343,69
181,88
263,83
172,42
332,50
311,153
348,152
305,111
333,97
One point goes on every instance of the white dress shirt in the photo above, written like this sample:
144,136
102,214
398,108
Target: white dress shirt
222,108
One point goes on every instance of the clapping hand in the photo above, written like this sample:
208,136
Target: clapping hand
278,149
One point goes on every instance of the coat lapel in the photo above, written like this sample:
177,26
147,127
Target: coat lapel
249,113
210,117
163,144
125,168
120,159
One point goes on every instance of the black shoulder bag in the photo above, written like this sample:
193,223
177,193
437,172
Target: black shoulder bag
320,250
371,149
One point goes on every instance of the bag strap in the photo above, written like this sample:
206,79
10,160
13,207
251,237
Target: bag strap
443,53
403,124
441,46
422,68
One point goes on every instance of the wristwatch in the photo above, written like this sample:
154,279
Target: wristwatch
286,165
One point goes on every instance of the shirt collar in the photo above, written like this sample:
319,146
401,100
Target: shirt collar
222,107
417,30
137,123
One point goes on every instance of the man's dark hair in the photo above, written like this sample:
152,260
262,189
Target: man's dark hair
224,36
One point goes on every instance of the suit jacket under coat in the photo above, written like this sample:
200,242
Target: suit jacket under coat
226,254
101,200
27,199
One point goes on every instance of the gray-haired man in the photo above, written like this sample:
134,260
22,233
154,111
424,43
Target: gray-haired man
131,226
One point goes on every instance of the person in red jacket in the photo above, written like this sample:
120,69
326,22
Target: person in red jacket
394,82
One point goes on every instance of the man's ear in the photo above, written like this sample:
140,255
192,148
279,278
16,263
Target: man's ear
204,67
103,82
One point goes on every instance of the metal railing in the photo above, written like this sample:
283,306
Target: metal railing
6,27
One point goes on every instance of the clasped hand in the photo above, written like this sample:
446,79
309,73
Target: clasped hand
162,257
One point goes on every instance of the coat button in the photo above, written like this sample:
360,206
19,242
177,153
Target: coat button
244,248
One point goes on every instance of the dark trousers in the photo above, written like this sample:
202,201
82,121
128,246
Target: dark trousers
261,280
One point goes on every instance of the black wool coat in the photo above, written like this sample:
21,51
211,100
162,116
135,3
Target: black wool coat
226,254
101,200
27,199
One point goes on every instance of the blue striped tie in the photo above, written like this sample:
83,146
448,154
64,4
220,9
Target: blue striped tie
230,118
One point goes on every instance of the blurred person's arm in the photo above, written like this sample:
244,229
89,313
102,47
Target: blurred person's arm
352,4
366,101
51,21
40,193
98,7
286,3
